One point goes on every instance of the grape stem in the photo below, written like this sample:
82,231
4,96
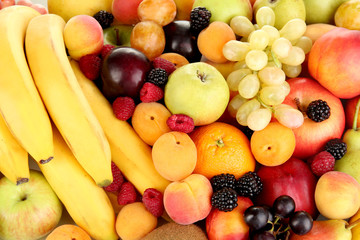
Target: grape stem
265,105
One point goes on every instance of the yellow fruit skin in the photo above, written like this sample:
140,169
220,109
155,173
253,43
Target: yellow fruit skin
87,203
20,103
63,97
129,152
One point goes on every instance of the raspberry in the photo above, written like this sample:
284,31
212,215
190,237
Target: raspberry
123,108
106,49
153,201
318,110
181,123
150,92
118,179
157,76
322,162
90,65
165,64
337,147
199,19
104,18
223,180
127,194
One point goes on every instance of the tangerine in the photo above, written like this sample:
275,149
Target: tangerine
222,148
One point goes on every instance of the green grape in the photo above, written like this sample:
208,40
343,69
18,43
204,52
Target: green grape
234,78
305,43
296,57
272,76
292,71
293,29
259,119
281,47
272,95
245,109
285,86
240,65
235,103
256,59
258,39
272,32
288,116
249,86
235,50
241,26
265,16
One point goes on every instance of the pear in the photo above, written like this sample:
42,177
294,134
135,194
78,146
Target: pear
350,162
285,10
320,11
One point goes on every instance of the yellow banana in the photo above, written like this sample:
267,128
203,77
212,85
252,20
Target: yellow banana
63,97
20,103
14,162
129,152
87,204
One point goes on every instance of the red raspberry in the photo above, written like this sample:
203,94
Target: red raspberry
322,162
153,201
151,93
123,107
90,65
162,63
127,194
106,50
118,179
181,123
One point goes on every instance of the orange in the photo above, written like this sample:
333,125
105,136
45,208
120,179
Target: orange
222,148
273,145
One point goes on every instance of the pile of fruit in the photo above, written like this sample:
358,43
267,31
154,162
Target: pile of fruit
180,119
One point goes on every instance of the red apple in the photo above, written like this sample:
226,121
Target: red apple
312,136
293,178
350,107
333,61
125,11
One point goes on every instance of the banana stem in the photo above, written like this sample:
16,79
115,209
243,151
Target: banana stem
356,115
353,224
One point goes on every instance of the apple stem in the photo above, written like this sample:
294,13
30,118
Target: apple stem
353,224
356,115
118,42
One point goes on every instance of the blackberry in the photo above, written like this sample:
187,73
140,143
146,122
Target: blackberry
199,19
224,199
104,18
318,110
249,185
157,76
223,180
336,147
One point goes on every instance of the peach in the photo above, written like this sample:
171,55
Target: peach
24,3
174,155
83,35
6,3
149,121
40,8
189,200
229,225
316,30
125,11
337,195
134,221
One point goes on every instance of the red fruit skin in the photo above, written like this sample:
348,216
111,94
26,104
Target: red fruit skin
293,178
333,62
125,11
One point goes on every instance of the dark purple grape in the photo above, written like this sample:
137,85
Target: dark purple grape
301,222
263,236
256,217
284,206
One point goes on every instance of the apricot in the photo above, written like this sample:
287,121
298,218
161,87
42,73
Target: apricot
212,39
149,121
162,12
316,30
174,155
134,221
83,35
68,231
189,200
177,59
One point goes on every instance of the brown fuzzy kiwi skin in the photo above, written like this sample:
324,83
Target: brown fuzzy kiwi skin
174,231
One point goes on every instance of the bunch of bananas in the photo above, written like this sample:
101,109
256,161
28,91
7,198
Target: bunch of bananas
53,113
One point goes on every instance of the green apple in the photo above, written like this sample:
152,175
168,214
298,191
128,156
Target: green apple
285,10
198,90
320,11
224,11
29,210
118,35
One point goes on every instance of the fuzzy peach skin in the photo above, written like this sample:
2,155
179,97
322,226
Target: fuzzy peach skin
229,225
83,35
189,200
